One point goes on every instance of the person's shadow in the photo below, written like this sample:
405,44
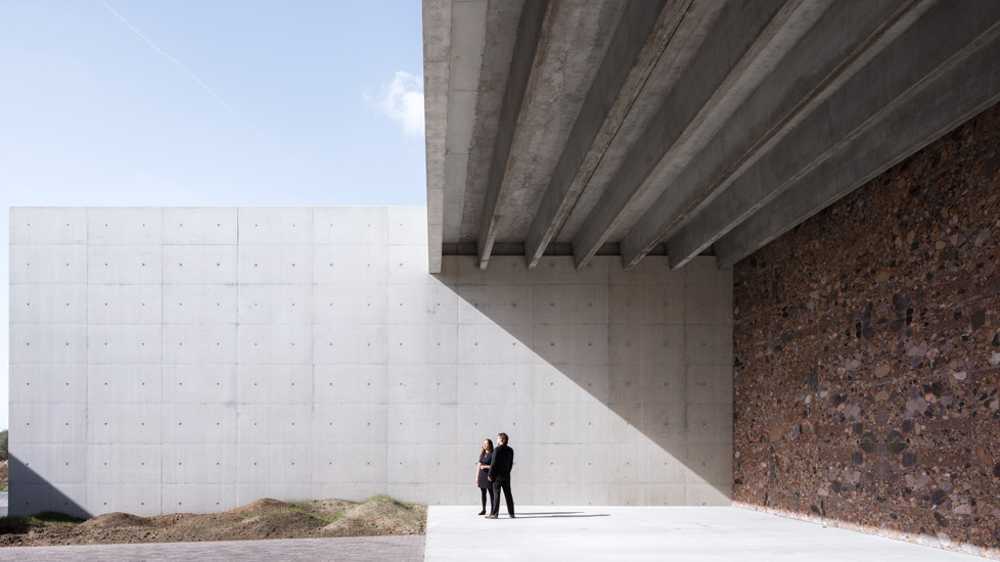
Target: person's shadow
554,514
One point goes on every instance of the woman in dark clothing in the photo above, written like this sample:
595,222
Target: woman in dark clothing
482,473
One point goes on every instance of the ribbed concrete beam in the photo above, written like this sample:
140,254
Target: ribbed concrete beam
970,85
890,82
530,33
642,34
843,40
741,49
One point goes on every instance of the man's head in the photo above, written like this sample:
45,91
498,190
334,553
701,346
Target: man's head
502,438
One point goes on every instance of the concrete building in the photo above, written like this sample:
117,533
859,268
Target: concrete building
645,254
866,334
171,360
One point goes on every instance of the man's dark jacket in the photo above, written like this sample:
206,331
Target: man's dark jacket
503,462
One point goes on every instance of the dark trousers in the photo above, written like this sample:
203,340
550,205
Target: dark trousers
482,492
504,486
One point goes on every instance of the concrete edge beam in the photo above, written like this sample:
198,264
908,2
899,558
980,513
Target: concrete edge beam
953,98
864,101
436,16
828,53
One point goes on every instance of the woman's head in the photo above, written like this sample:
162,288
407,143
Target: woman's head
487,445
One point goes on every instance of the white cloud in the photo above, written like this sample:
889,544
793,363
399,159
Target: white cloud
402,100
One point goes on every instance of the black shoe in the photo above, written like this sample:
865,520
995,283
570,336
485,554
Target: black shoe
491,516
483,512
512,516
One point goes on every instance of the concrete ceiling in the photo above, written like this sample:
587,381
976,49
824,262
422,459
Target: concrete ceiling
680,126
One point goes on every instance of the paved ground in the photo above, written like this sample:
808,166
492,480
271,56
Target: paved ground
684,534
364,549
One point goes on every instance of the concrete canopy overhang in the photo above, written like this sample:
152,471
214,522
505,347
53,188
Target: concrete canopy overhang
678,126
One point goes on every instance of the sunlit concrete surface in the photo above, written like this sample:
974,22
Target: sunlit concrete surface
196,359
354,549
689,534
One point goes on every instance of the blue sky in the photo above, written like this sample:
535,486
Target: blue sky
128,102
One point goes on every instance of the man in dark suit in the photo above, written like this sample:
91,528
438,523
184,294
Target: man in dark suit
499,475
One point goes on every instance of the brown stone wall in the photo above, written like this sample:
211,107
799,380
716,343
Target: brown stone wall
867,341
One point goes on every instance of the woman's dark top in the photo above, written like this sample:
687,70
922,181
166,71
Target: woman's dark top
482,480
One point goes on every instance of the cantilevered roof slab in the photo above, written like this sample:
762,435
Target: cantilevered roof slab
605,127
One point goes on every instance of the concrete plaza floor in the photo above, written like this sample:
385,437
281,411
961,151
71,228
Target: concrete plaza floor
696,534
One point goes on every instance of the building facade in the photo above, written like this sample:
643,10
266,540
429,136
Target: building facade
195,359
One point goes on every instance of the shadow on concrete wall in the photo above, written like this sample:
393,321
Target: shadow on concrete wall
30,493
614,398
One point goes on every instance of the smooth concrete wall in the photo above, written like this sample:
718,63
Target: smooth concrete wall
180,359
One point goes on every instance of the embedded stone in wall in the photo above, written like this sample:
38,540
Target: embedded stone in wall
867,342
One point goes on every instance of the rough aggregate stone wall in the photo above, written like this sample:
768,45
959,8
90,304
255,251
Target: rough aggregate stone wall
867,344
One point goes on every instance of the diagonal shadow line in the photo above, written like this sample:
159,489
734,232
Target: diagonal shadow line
30,493
491,290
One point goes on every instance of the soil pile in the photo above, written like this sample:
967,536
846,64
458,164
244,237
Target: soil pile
380,515
261,519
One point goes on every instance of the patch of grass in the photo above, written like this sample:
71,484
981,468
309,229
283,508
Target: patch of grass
300,506
15,524
309,509
389,500
56,517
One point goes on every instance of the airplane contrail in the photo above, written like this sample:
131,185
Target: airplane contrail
173,60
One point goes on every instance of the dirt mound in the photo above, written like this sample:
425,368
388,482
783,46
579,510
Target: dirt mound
115,519
263,504
270,523
261,519
330,506
380,515
277,523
